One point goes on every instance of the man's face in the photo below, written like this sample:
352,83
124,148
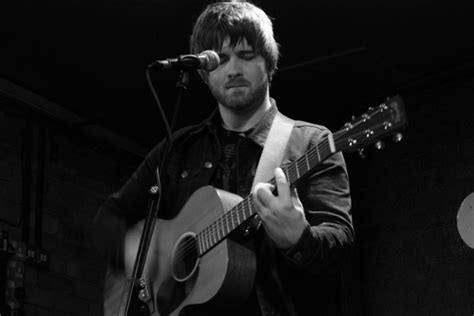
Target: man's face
240,83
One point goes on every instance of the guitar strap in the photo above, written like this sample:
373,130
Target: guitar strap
274,148
272,156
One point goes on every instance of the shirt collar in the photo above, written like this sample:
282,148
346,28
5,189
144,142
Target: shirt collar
258,133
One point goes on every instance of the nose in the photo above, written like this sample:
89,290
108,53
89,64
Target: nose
234,67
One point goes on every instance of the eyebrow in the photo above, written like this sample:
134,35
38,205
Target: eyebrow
241,51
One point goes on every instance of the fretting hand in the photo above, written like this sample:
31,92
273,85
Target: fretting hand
282,215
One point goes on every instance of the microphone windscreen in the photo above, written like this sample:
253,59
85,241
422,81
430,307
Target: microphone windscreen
212,60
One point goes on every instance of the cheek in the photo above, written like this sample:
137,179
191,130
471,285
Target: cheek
214,79
259,73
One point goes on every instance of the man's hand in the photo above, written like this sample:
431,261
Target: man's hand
283,215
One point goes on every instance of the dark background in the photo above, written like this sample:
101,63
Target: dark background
90,57
338,58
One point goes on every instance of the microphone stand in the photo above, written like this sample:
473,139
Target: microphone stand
182,86
138,285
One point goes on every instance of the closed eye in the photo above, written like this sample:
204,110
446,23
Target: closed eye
247,55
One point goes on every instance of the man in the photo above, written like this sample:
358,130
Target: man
305,232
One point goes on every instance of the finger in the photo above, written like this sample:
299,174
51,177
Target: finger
295,198
263,193
282,184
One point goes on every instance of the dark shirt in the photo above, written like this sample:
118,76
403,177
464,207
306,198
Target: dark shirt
288,281
238,163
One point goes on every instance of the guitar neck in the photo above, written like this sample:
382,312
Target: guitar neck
242,212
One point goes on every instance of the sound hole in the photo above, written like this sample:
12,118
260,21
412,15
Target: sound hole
185,257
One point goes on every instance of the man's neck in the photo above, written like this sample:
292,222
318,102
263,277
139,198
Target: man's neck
243,121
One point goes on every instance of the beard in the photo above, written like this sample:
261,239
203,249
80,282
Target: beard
241,101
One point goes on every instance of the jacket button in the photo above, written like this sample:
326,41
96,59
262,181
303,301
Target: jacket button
184,174
208,165
297,256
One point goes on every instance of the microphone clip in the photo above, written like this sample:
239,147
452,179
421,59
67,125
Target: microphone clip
183,62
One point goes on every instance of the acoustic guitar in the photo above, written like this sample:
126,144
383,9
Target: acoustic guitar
191,262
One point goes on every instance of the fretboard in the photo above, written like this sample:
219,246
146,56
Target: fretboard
243,211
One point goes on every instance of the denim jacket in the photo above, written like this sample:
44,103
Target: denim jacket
325,195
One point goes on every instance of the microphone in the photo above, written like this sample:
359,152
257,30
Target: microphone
207,60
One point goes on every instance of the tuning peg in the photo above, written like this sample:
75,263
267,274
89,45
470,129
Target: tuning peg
361,153
379,145
397,137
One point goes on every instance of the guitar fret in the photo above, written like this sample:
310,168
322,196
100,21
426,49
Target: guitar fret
209,241
307,161
213,234
218,229
201,246
286,174
203,243
237,213
317,152
297,171
300,167
303,165
227,220
222,228
209,237
237,216
249,207
205,240
291,173
227,223
232,218
204,246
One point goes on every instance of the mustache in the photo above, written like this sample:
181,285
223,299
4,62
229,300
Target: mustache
236,82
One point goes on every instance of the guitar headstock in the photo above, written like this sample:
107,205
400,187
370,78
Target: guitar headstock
379,122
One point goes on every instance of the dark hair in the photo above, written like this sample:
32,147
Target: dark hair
237,20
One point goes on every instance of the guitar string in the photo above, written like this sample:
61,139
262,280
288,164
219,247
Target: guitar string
210,231
189,246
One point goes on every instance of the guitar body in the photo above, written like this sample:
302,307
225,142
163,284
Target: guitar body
223,275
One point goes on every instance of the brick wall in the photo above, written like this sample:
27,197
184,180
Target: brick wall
79,173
